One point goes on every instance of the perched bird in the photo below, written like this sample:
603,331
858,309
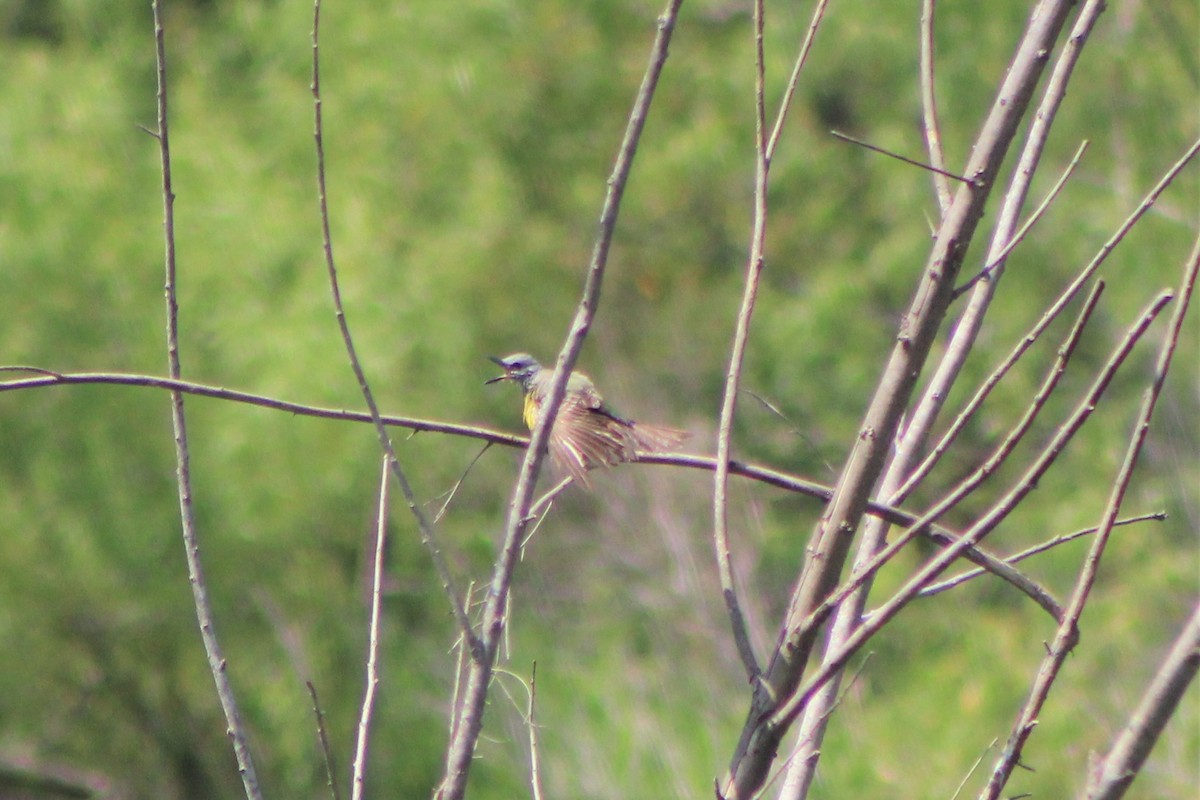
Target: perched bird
586,434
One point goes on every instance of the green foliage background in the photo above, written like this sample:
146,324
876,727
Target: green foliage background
468,144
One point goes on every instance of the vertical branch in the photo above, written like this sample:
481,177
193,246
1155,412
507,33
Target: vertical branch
368,703
933,133
764,152
741,334
535,775
428,535
469,723
204,613
1068,632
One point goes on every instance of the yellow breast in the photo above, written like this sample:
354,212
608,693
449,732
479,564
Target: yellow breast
531,410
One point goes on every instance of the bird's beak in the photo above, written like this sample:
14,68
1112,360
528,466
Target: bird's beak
506,376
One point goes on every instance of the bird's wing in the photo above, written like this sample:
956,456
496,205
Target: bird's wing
585,437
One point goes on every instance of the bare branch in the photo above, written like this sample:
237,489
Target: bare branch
323,738
220,393
763,153
850,619
359,775
963,577
864,570
910,161
204,613
1024,230
933,133
428,535
1067,295
741,636
535,777
785,104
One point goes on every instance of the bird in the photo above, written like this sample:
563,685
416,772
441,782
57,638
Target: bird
587,433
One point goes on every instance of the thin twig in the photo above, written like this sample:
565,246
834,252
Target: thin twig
792,427
535,777
1068,632
754,266
323,738
470,724
38,370
789,92
912,161
1052,377
460,660
428,535
962,784
203,390
191,541
1023,231
458,484
963,577
929,115
358,781
541,509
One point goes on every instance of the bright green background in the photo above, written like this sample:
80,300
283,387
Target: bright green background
467,148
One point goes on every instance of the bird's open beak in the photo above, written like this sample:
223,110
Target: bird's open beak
506,376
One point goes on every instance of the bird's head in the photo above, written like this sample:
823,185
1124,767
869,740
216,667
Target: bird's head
519,367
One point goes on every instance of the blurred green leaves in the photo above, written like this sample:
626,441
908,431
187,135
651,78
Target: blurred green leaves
467,148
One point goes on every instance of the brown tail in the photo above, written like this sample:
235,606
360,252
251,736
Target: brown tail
656,438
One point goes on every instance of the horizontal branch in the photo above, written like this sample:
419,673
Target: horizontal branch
780,480
49,378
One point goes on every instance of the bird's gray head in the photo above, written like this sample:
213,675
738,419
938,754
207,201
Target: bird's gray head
519,367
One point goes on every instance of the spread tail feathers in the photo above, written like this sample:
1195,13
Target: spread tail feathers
655,438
